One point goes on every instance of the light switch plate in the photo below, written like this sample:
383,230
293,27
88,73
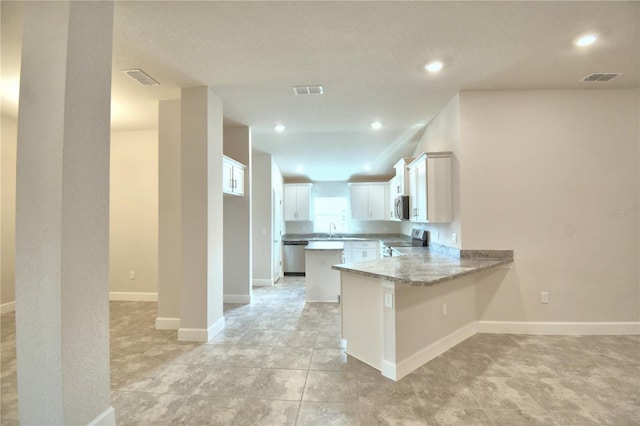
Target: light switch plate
388,300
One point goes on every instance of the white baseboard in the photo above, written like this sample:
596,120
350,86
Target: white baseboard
126,296
425,355
106,418
261,282
167,323
236,298
5,308
201,334
559,328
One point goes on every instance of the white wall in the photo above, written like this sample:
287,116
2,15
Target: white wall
442,134
134,212
237,221
541,173
8,141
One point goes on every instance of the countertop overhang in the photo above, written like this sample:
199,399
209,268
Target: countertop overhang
424,266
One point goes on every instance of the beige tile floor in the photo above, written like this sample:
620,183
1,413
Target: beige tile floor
281,362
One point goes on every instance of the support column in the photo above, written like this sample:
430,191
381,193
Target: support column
201,215
62,214
169,274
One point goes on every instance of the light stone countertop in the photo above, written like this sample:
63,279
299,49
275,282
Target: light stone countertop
422,266
325,245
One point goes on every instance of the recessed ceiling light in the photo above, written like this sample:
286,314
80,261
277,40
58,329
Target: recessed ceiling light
586,40
434,66
279,128
376,125
299,169
368,167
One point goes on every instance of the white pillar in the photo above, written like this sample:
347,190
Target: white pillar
169,216
62,214
201,215
237,221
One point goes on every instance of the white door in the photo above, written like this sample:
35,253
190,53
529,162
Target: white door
277,235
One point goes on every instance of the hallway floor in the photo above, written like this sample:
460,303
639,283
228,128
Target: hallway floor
280,361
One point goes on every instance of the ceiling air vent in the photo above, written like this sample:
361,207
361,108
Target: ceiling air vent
601,76
308,90
141,77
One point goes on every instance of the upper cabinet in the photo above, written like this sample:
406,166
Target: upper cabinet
297,199
232,176
429,182
368,201
400,186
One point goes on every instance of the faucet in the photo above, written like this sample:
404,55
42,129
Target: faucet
331,226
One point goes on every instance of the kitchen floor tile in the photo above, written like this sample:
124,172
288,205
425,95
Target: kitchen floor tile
281,361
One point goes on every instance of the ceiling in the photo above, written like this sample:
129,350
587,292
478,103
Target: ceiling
369,56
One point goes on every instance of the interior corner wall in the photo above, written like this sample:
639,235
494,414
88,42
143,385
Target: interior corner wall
237,221
8,142
133,233
442,134
262,212
554,175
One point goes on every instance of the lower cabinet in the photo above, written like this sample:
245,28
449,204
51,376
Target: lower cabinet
360,251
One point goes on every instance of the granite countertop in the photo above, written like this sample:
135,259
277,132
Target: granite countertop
426,266
325,245
347,237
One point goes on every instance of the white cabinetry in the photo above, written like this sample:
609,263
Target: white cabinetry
297,199
429,179
368,201
390,214
400,185
232,176
360,251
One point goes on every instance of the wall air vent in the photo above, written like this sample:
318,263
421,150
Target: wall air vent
308,90
601,76
141,77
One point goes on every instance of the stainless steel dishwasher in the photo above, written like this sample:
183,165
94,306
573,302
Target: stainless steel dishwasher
294,257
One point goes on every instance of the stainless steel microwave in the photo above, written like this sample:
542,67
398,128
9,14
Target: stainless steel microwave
402,207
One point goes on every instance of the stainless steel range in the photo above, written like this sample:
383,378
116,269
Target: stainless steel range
419,238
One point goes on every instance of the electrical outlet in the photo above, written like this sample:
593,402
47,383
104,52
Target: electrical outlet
132,275
454,237
388,300
544,297
444,309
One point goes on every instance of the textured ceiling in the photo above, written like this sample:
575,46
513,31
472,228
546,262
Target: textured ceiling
369,56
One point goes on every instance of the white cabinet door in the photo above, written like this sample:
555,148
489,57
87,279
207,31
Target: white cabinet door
297,199
377,204
360,202
232,177
368,201
227,177
430,188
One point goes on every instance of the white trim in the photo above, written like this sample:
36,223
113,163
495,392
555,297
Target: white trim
201,334
559,328
106,418
261,282
5,308
389,370
126,296
435,349
167,323
236,298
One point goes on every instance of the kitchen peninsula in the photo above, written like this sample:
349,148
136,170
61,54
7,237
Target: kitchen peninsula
323,283
400,312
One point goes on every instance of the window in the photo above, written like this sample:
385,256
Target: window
330,210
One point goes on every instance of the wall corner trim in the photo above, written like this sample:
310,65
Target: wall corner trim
106,418
201,334
167,323
236,298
